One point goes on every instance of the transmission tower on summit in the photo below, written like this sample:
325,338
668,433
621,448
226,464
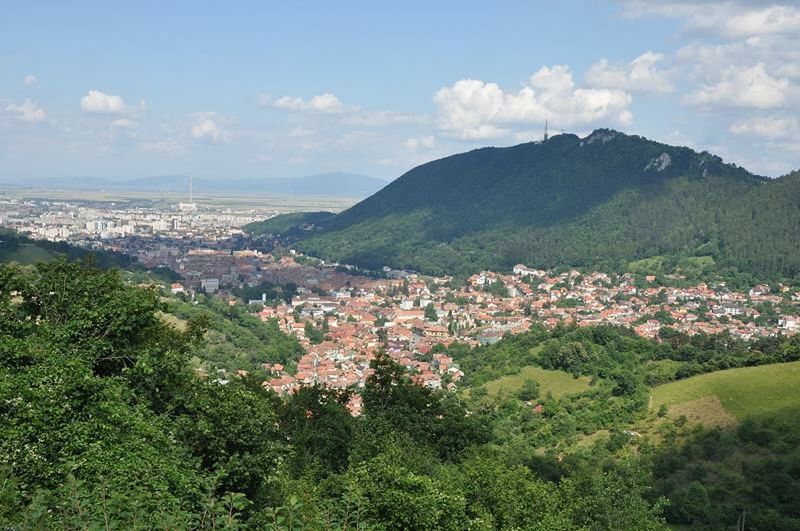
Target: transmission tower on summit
546,135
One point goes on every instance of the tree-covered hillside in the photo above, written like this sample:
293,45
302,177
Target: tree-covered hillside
15,247
602,201
103,425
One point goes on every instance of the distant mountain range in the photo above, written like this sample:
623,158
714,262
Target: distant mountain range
323,184
609,200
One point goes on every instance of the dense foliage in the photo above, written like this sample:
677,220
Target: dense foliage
103,424
235,339
750,472
600,202
289,224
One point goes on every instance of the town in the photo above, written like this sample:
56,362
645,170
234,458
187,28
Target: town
101,224
342,317
410,314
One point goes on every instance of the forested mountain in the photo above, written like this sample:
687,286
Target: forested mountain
601,201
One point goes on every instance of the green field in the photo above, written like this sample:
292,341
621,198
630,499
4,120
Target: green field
692,266
745,392
557,382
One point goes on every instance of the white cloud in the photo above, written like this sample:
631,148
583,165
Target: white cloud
29,80
728,18
625,118
329,104
780,55
209,131
324,103
768,127
28,111
769,20
424,141
96,101
743,87
471,109
264,99
640,75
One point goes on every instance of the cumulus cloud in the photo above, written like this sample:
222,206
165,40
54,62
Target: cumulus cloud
728,18
29,80
209,130
780,55
420,142
768,127
472,109
769,20
329,104
743,87
96,101
323,103
640,75
28,111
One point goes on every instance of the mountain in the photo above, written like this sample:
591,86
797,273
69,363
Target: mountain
323,184
603,201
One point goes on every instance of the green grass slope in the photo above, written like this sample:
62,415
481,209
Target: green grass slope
745,392
559,383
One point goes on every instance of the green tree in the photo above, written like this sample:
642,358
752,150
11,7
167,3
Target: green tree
529,390
430,312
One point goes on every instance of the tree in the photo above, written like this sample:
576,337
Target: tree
318,423
430,312
314,336
97,370
529,390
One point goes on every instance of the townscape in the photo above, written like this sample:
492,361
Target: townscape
341,317
410,314
99,224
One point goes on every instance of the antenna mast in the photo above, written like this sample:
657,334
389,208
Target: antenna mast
546,135
190,189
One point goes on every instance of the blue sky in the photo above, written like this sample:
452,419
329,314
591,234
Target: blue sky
258,89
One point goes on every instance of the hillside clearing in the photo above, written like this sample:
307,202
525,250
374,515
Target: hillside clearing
559,383
744,392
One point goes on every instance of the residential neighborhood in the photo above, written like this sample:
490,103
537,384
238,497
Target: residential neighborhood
341,319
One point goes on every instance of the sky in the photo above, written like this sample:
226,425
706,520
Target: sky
265,89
